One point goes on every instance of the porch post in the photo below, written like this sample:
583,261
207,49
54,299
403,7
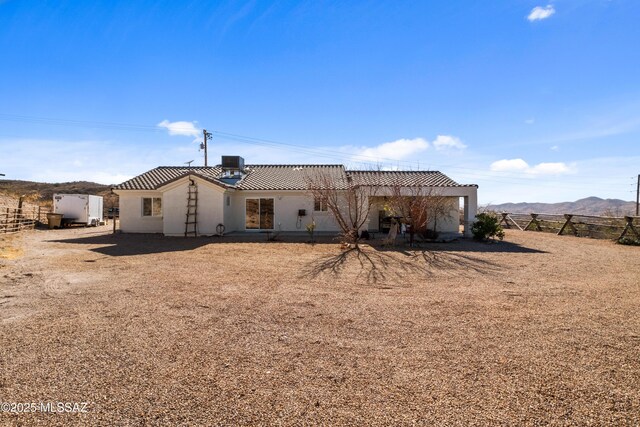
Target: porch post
470,209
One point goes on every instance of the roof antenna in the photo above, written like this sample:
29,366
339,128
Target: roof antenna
188,163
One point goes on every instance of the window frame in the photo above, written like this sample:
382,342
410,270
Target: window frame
320,202
260,213
154,214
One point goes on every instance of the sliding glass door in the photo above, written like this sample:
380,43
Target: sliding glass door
259,214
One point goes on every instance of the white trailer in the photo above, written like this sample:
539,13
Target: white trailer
79,208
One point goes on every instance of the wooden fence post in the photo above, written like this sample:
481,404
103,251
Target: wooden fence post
628,227
568,223
505,219
534,220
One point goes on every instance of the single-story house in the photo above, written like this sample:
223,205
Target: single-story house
178,200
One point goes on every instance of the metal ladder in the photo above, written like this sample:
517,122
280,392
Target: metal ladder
191,223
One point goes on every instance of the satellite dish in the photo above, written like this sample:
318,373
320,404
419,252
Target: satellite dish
188,163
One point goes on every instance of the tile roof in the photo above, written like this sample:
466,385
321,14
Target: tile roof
163,175
286,177
403,178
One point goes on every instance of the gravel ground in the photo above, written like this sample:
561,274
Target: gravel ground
536,330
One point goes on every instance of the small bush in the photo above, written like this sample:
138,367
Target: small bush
487,226
311,228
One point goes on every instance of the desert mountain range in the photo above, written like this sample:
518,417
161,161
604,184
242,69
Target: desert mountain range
586,206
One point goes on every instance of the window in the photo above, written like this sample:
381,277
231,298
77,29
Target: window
228,200
320,204
151,206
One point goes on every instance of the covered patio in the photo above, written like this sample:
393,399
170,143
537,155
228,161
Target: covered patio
447,218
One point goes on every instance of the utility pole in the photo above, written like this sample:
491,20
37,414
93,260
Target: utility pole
204,144
638,197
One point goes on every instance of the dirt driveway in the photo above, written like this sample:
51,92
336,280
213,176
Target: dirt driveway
148,330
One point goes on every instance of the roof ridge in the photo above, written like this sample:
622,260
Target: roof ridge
286,177
296,165
292,165
400,171
186,167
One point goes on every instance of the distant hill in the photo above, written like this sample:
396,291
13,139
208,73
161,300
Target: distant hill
41,193
588,206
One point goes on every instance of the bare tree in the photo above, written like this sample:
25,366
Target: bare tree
349,201
419,208
438,207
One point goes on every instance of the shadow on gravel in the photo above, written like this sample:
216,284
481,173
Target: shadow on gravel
373,259
123,244
375,266
137,244
464,246
377,263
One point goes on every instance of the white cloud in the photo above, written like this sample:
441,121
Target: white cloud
509,165
555,148
539,13
530,121
558,168
181,128
446,142
403,153
395,150
519,165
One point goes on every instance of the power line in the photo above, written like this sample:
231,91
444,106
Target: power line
482,177
506,178
79,123
321,152
347,156
366,160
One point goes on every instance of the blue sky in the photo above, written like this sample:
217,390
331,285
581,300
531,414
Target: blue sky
533,101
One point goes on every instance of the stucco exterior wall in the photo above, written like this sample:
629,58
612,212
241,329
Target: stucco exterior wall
131,219
213,210
234,214
210,207
286,206
450,223
229,213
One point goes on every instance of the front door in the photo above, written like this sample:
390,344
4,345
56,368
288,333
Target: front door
259,214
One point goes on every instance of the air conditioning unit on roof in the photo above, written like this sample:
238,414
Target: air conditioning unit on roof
232,163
